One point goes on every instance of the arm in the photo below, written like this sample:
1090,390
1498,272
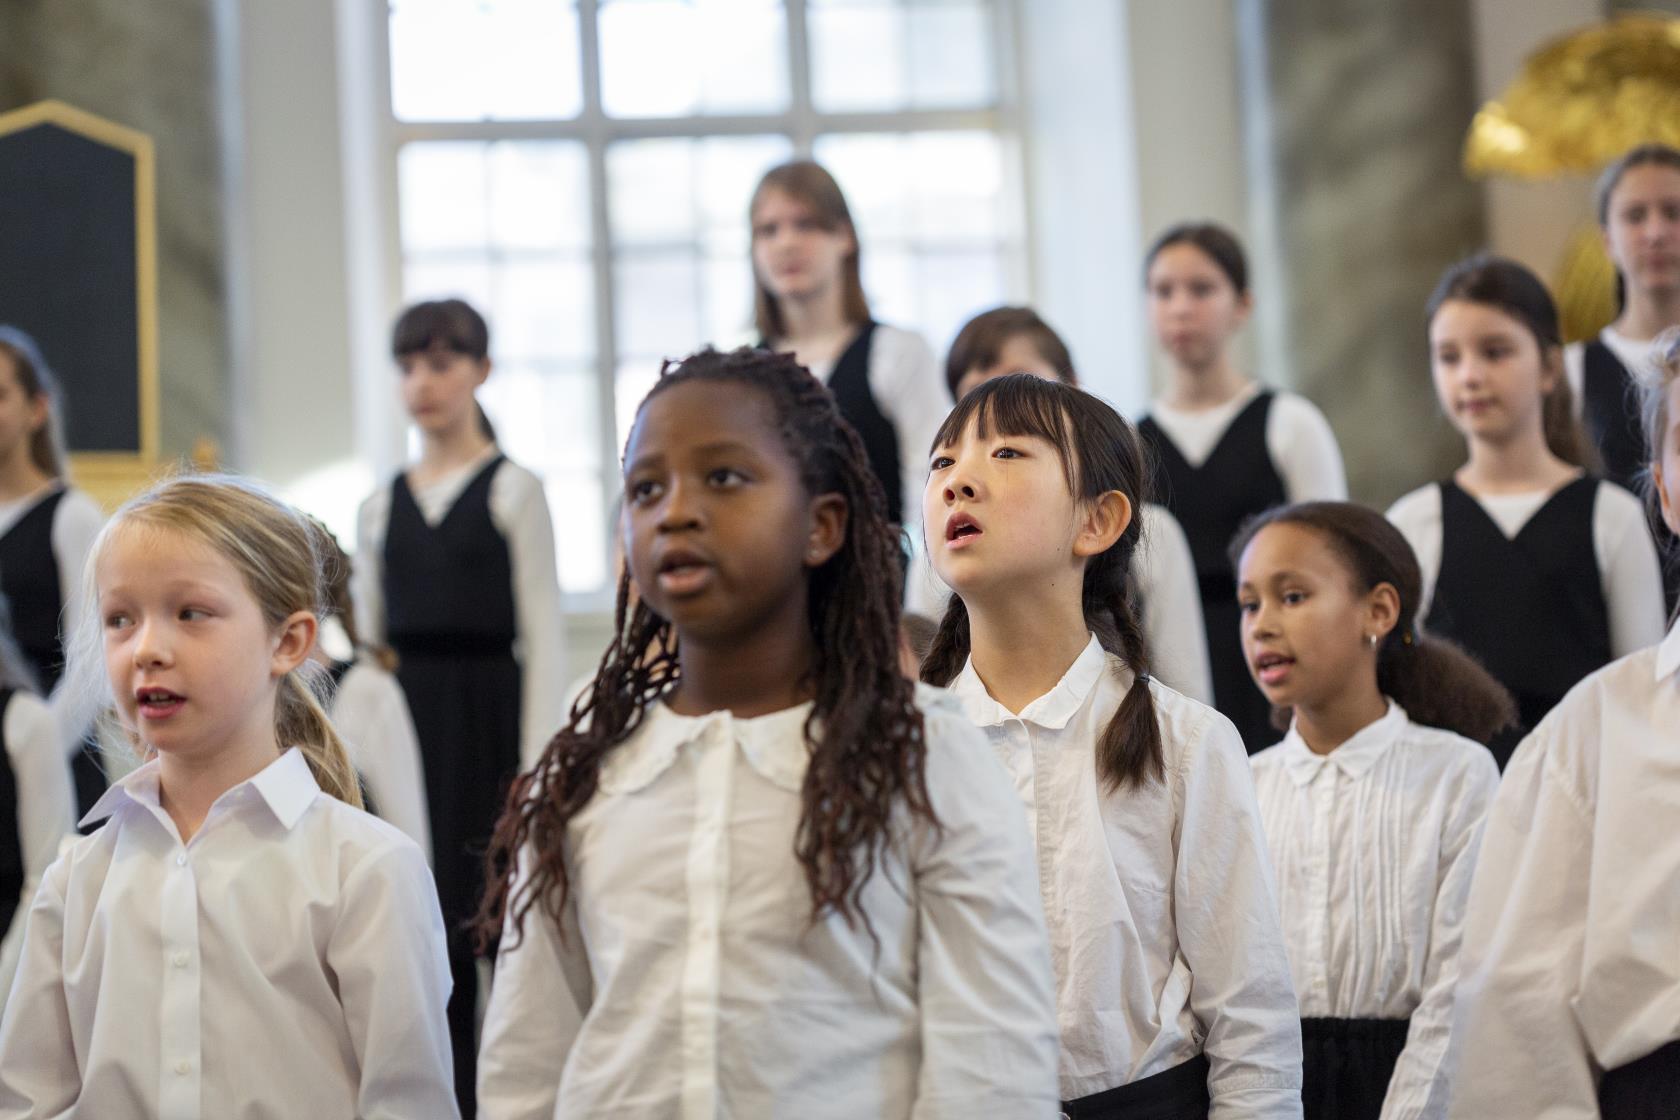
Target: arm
542,991
1629,571
387,952
367,576
1229,932
1305,451
1423,1076
987,995
1172,605
389,758
76,525
905,380
1418,517
38,1071
1520,1048
536,596
46,808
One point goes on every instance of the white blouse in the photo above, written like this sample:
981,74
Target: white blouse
46,808
1374,845
371,714
1638,357
1630,576
1571,959
1165,571
76,524
690,982
519,510
1162,914
1301,443
286,961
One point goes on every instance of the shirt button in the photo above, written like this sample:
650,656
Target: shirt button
181,960
183,1067
181,860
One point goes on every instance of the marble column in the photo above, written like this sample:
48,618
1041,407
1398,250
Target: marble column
150,66
1354,117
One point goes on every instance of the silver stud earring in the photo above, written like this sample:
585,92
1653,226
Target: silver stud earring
1371,640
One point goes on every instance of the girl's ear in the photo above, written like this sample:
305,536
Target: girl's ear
483,374
1105,519
1669,513
1382,610
1551,369
294,639
829,515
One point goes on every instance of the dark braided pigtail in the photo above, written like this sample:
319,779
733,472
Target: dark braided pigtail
1101,453
866,735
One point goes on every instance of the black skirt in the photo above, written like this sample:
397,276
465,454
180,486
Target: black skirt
1179,1093
1646,1088
1346,1065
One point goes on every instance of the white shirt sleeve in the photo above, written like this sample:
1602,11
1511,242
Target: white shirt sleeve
387,952
1418,517
905,381
1629,571
372,715
987,992
1520,1045
1165,572
1424,1072
367,576
1575,374
1230,933
46,808
76,523
1304,448
520,509
541,993
38,1076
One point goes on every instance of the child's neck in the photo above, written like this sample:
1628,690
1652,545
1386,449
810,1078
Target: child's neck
189,785
1648,314
767,671
451,448
1518,465
1024,642
1324,727
817,327
19,476
1205,387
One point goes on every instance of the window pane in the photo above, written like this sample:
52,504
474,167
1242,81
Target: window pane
448,276
544,309
634,379
539,195
674,58
444,188
458,60
658,297
877,55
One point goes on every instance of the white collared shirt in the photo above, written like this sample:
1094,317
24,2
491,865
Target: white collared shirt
1162,914
371,714
1373,846
46,808
288,961
691,983
1571,958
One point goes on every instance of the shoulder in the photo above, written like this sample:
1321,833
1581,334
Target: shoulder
516,485
78,508
1192,732
1618,508
365,683
1567,745
1417,509
1462,763
27,721
376,507
1267,761
1291,412
899,353
362,845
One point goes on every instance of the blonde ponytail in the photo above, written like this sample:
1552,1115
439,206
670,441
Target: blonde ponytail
300,721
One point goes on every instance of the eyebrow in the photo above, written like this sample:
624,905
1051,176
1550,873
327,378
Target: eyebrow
716,447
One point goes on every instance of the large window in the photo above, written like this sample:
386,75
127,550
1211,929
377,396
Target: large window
581,172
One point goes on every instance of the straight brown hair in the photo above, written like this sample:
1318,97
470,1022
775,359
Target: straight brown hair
809,183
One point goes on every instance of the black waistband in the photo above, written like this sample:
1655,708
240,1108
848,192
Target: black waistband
1645,1087
452,645
1172,1092
1392,1031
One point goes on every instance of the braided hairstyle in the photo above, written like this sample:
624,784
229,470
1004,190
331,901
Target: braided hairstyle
1100,452
867,747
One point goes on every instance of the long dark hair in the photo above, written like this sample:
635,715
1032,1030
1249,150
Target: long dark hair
445,324
868,752
1435,681
1645,155
982,339
1100,452
810,183
1512,289
36,379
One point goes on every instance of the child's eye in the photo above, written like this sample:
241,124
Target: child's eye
116,620
1007,453
1247,606
193,614
1294,598
727,477
643,491
940,462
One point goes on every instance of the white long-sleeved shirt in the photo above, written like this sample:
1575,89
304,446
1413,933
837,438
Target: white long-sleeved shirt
46,808
519,510
286,961
1374,845
1165,572
1630,576
1638,357
1298,437
691,983
1570,964
76,523
371,713
1162,914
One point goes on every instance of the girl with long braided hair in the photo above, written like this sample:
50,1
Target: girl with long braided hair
1175,998
759,872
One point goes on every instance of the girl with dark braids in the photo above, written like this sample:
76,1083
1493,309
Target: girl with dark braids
1174,993
759,872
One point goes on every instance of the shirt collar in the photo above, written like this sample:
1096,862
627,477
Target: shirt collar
1353,758
1668,654
773,744
285,785
1051,711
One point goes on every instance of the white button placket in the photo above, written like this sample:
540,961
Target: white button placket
180,1038
708,886
1324,807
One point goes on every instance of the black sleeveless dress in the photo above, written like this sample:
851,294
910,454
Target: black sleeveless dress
1211,502
451,618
